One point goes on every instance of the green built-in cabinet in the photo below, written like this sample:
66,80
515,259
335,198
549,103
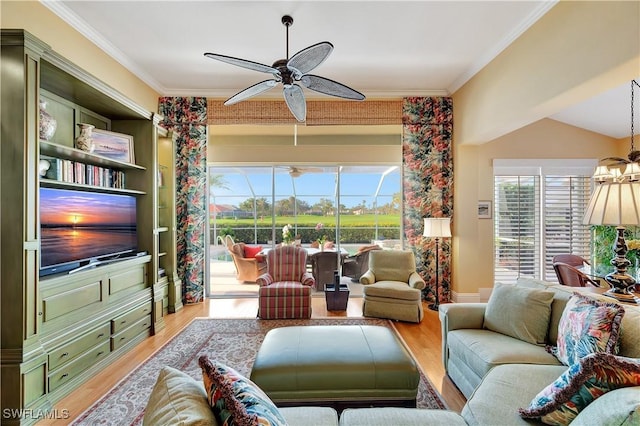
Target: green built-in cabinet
59,330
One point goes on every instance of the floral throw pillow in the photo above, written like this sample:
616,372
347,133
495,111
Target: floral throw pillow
587,326
591,377
236,400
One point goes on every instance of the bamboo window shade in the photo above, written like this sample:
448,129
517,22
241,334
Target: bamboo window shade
319,113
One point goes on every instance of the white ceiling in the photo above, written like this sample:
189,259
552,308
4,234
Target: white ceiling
381,48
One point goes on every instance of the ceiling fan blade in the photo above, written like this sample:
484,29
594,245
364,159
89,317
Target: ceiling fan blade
251,91
330,87
294,98
254,66
309,58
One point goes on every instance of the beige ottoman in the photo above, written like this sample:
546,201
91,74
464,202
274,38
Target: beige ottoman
341,366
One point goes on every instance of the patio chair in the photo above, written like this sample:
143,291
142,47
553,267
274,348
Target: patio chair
323,264
356,265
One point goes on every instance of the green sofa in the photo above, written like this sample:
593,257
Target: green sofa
178,399
500,374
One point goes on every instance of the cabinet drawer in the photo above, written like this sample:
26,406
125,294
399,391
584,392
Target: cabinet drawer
71,369
68,351
125,320
124,337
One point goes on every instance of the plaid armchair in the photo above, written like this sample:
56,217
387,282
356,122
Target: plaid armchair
285,289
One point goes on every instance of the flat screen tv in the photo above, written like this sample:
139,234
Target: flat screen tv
80,230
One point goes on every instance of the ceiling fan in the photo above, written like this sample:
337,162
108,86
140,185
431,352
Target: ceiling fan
295,171
292,72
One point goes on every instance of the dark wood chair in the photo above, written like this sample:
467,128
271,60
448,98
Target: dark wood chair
573,277
571,259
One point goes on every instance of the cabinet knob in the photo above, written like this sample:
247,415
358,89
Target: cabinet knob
39,314
64,354
123,322
100,335
99,353
122,338
64,375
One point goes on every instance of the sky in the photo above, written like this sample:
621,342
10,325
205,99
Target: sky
66,207
311,186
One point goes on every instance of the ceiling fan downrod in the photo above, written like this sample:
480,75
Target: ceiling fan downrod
287,21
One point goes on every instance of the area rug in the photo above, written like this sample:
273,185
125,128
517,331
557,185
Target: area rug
234,342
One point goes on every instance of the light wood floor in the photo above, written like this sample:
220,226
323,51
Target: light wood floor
423,340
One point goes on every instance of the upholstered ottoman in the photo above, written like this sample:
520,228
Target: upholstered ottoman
340,366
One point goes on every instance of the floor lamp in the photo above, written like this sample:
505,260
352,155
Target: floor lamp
437,227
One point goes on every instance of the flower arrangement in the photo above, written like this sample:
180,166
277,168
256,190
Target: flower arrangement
321,240
286,233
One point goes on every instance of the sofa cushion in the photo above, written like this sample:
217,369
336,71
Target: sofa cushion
620,407
235,399
519,312
482,350
251,251
392,265
594,375
587,326
560,299
505,389
392,290
385,416
178,399
318,416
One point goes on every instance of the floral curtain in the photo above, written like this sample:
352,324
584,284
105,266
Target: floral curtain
187,117
428,183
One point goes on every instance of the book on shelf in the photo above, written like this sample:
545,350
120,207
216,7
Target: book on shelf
85,174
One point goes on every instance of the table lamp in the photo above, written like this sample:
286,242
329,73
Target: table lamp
616,203
437,227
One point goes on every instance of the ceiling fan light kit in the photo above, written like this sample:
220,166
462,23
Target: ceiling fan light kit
293,74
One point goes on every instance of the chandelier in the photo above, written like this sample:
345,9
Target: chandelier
616,201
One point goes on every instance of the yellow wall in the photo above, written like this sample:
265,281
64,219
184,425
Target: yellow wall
472,271
576,50
45,25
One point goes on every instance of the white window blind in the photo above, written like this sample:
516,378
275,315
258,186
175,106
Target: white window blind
538,214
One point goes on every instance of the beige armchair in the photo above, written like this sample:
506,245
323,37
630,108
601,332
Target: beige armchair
392,286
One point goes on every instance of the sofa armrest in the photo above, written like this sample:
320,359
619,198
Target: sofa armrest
368,277
416,281
456,316
264,279
307,279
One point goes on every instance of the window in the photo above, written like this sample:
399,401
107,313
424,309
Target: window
539,206
355,204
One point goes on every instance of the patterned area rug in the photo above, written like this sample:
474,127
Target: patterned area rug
234,342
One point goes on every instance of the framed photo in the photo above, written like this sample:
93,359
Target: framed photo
116,146
484,209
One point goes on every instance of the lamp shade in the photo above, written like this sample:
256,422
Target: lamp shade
437,227
614,203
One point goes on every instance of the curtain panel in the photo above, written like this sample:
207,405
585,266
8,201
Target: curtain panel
427,152
187,117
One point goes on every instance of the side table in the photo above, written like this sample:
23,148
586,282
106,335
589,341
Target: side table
336,299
